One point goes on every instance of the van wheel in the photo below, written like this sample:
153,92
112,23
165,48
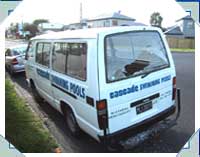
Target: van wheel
12,72
36,95
72,123
114,148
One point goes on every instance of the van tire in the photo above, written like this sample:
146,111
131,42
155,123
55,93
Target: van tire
72,123
114,148
12,73
35,93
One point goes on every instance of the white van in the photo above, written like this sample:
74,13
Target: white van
108,82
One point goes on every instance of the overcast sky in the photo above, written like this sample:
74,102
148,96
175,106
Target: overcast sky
68,11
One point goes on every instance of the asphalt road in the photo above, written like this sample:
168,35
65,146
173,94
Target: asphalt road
170,141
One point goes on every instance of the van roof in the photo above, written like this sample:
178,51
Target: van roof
91,32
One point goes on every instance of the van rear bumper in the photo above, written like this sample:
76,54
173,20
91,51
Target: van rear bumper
139,127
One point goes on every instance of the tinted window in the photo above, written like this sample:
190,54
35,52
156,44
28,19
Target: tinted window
59,57
15,52
43,53
30,49
46,54
76,61
70,59
8,52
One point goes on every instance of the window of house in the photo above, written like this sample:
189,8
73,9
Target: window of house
114,22
190,25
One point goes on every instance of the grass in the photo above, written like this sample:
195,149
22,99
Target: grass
182,50
23,129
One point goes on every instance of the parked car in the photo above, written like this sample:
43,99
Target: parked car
15,57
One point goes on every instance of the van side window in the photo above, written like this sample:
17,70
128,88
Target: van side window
29,51
46,54
70,59
76,61
8,52
43,53
39,53
59,57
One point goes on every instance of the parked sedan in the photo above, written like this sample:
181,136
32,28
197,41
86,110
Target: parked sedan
15,57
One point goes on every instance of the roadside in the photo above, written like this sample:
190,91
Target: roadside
178,50
23,129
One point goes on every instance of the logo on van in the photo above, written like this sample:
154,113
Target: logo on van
64,84
136,88
43,73
69,86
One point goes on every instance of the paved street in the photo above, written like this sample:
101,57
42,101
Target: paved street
171,141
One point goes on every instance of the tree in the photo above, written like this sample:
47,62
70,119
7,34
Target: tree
14,28
156,19
39,21
32,28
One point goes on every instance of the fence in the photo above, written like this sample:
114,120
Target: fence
181,43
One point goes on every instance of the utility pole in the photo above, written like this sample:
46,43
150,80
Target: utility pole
81,12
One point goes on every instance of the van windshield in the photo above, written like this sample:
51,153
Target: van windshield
134,53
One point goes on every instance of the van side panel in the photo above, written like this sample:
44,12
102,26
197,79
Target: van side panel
76,92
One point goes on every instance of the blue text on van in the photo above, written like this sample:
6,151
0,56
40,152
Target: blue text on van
136,88
65,84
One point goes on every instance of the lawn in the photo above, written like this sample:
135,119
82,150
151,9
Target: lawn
23,128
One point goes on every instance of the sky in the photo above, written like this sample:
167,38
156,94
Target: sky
68,11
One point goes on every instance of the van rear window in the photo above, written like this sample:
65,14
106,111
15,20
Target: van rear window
134,53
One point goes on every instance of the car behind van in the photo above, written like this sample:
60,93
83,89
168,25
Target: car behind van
113,83
14,58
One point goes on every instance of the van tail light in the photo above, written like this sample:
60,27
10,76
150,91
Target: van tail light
102,114
174,88
14,61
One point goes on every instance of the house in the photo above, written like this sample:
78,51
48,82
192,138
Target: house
104,20
187,26
46,27
184,28
109,20
174,31
77,25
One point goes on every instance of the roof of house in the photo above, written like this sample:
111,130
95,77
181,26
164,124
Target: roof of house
188,17
174,30
91,32
111,16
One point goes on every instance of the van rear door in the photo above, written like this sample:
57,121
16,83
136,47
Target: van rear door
136,77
